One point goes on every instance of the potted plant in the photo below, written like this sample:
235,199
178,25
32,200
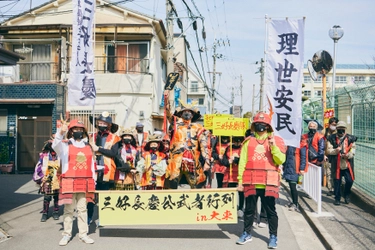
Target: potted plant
5,166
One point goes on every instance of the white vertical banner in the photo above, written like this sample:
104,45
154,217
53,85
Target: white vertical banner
81,83
284,75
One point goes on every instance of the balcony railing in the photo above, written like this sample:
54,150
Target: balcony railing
38,71
120,64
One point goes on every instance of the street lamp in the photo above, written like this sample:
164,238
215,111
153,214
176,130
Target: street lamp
335,33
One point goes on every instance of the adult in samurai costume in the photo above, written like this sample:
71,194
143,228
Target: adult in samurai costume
190,152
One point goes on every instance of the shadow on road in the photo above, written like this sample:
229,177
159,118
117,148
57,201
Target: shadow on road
9,198
162,233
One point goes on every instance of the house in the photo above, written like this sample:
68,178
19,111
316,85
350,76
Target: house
130,72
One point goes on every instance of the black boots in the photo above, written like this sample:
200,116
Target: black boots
44,217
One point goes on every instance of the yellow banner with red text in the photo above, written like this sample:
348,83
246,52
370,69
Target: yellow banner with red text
158,207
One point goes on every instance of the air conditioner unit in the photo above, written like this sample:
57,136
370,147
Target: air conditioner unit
9,74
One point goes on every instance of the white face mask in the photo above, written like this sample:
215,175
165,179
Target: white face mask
331,127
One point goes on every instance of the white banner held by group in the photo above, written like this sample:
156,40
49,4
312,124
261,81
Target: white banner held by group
81,84
285,77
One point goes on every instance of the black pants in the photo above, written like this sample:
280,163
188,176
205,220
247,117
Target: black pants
241,196
219,178
269,205
293,192
348,184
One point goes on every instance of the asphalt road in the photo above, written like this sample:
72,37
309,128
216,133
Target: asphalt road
20,207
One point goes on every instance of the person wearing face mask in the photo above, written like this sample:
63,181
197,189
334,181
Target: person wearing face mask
126,177
332,123
104,143
46,175
258,175
315,143
231,158
341,146
142,137
218,150
190,149
77,177
153,164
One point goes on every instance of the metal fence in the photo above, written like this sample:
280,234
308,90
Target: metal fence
354,104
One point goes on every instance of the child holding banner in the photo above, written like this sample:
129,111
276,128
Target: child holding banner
230,160
218,150
153,164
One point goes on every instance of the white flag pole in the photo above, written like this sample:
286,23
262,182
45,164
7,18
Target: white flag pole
94,44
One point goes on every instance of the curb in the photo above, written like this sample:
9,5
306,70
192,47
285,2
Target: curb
363,200
324,237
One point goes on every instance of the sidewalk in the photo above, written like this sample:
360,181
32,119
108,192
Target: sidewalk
348,226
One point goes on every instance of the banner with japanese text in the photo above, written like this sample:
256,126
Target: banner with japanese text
158,207
229,126
208,119
81,83
284,74
328,113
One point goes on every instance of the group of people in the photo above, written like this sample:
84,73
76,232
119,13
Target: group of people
74,164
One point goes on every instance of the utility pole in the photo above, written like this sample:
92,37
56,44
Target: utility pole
170,48
241,96
214,79
253,102
261,70
232,98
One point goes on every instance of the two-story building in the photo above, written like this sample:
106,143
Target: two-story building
130,71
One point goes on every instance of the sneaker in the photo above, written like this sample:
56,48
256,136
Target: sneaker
294,208
273,242
262,225
330,193
44,218
347,200
289,204
86,239
337,203
244,238
56,215
239,214
65,240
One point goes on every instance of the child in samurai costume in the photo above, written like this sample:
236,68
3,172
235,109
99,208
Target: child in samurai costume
126,177
218,149
230,160
153,164
47,177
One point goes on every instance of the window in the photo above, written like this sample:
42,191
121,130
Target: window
3,121
37,65
372,79
358,79
320,80
201,101
128,58
318,93
341,79
306,79
194,86
307,93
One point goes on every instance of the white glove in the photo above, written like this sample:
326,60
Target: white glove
94,147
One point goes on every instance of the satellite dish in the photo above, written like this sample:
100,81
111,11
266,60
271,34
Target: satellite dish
321,64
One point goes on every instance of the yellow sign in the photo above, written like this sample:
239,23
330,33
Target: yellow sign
230,126
208,119
155,207
328,113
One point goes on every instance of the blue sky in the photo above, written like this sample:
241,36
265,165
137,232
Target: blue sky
242,22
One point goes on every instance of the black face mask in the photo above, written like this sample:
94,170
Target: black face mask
187,116
259,127
154,148
102,128
77,135
126,141
341,132
139,130
312,131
